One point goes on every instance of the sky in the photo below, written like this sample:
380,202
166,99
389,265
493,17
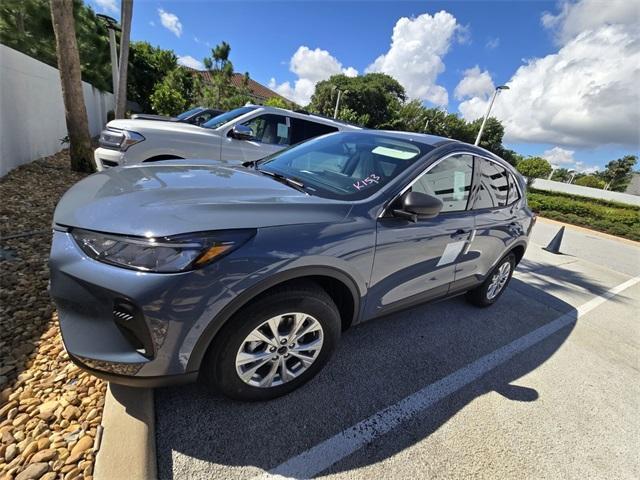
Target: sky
572,66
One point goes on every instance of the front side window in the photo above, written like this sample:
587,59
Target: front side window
450,181
493,187
346,165
304,130
270,129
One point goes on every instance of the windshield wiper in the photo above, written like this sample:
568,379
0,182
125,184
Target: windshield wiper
287,181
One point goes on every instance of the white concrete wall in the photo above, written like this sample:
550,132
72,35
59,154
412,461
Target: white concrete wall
32,112
552,186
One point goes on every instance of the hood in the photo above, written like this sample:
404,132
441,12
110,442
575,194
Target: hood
170,198
151,116
145,127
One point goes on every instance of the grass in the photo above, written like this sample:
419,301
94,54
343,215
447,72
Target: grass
610,217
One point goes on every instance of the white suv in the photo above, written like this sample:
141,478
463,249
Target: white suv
240,135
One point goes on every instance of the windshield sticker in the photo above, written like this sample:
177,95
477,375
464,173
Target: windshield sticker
365,182
393,153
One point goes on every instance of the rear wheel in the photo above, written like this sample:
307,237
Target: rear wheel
495,284
275,344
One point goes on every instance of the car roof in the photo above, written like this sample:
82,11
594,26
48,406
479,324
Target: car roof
304,115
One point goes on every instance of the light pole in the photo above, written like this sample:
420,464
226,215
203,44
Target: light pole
340,92
112,26
486,115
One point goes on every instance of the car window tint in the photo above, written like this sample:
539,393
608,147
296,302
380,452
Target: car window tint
303,130
514,194
270,129
450,181
493,188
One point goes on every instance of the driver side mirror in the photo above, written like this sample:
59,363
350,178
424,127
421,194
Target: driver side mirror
241,132
417,204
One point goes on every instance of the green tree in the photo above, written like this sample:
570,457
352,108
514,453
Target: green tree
590,181
374,97
277,102
534,167
618,172
173,94
491,135
148,66
221,92
561,175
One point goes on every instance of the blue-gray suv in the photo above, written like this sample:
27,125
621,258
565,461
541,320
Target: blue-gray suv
245,276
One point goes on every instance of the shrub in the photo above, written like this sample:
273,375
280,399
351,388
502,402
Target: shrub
610,217
590,181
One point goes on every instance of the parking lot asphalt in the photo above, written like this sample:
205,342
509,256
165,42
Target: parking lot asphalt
543,384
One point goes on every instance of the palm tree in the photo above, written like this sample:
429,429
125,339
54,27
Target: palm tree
75,111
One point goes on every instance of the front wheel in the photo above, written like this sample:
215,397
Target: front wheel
275,344
495,284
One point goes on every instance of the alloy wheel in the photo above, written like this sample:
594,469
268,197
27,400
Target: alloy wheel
279,350
499,280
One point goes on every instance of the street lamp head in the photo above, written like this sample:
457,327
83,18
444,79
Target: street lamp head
502,87
110,21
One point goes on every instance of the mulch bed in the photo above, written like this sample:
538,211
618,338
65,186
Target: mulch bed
50,411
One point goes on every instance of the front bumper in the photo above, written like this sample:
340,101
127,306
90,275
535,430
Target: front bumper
107,158
172,309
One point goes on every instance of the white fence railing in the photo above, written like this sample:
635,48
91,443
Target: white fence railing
552,186
32,120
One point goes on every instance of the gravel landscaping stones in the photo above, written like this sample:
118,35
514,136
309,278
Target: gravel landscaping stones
50,410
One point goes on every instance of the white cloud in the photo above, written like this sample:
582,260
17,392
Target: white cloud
586,94
415,55
577,16
492,43
152,23
170,21
108,5
189,61
559,156
475,83
311,66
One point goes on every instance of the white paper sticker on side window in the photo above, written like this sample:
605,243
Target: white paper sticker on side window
283,131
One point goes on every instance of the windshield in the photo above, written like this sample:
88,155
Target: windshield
223,118
188,113
345,165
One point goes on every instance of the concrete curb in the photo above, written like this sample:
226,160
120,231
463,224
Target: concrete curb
128,447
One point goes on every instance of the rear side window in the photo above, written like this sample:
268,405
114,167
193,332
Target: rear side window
450,181
514,194
493,187
304,130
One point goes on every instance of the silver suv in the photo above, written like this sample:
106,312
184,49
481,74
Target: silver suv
245,134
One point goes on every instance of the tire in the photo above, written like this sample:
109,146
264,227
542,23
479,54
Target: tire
483,295
220,370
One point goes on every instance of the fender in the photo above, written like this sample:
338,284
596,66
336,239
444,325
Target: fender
245,297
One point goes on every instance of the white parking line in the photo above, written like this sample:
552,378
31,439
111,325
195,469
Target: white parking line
322,456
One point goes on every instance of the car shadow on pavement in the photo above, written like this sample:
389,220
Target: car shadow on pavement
378,363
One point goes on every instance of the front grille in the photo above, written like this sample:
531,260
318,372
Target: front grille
109,163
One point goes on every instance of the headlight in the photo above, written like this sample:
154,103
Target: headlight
119,139
163,254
